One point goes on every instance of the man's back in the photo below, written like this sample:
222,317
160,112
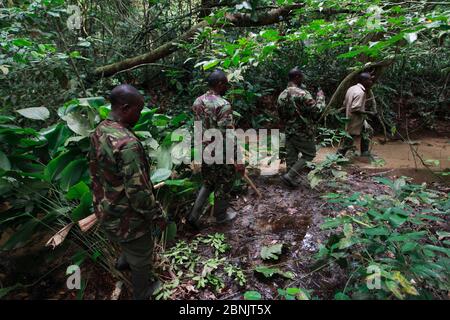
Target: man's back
355,100
214,111
298,110
123,198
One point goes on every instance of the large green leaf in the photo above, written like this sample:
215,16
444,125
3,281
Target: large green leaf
56,136
36,113
77,191
83,209
78,123
56,166
73,173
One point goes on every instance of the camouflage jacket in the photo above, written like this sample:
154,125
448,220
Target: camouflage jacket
214,112
122,190
299,111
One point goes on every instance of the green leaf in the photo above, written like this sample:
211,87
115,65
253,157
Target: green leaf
378,231
179,183
5,119
252,295
409,246
73,173
408,236
397,220
5,164
22,42
56,166
348,230
210,64
36,113
393,287
439,249
83,209
271,252
77,191
299,293
77,123
160,175
270,272
341,296
56,136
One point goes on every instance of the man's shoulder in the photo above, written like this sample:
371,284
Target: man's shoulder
209,99
297,92
117,135
356,89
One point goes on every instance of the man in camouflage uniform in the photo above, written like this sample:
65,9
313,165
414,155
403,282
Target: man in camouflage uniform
299,112
355,106
215,112
122,191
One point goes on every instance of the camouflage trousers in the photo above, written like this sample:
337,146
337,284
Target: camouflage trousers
299,148
219,178
138,253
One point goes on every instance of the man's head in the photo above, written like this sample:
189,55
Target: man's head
218,82
296,76
126,104
366,79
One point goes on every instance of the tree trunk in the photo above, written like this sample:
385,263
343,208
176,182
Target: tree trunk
376,69
233,20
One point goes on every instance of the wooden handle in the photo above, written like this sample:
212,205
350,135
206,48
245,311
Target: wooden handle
250,182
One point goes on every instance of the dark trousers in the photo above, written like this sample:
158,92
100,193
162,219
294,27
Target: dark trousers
138,253
296,145
347,144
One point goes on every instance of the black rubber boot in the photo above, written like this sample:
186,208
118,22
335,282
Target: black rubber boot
141,285
290,178
199,205
365,145
221,211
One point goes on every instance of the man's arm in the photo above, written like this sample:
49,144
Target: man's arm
310,105
225,117
136,180
358,102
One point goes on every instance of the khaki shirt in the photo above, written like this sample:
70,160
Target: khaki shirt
355,100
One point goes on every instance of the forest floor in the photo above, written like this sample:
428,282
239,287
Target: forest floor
281,216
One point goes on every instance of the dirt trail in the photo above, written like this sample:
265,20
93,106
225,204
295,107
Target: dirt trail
293,217
399,159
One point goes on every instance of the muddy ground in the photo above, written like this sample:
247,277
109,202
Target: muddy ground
291,217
